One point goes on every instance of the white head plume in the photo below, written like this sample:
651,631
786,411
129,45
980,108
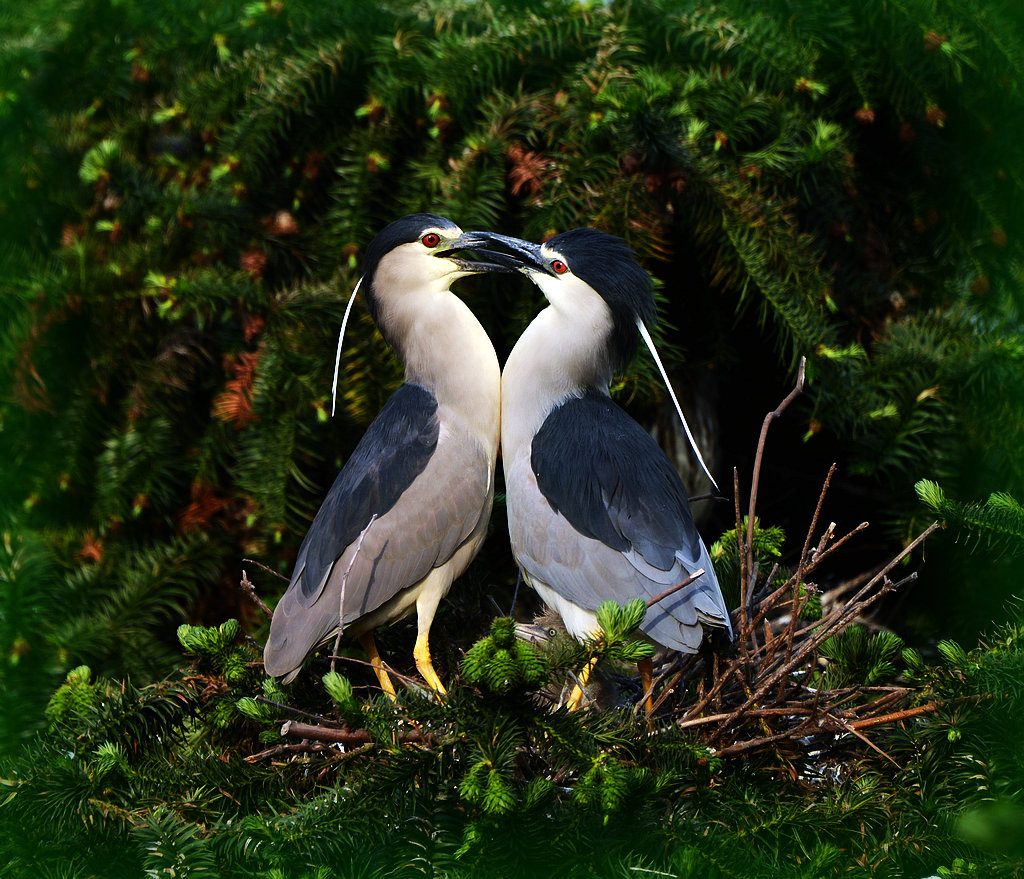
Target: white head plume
341,337
693,443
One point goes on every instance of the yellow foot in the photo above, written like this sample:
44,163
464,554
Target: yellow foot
576,696
370,646
646,675
421,653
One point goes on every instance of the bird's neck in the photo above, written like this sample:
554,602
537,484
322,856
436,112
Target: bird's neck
554,359
445,350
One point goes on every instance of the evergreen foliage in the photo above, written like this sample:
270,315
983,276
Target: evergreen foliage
132,781
858,659
501,662
185,192
999,521
766,546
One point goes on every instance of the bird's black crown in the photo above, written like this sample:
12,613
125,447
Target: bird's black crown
609,266
402,231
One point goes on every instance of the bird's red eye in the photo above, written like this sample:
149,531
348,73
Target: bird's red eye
559,267
431,239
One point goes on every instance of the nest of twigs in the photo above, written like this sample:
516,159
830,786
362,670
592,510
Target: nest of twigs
767,695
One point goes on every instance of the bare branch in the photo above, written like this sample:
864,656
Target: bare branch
768,419
742,553
406,679
288,708
814,522
346,736
263,567
249,589
896,716
282,750
673,589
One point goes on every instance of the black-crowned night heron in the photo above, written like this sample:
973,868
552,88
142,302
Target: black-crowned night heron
595,509
603,688
409,510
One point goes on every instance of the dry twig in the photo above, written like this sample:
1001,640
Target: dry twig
766,695
768,419
295,729
246,585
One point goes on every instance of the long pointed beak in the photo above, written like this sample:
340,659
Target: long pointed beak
534,633
525,256
497,262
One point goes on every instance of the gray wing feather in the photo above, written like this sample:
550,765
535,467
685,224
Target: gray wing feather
433,517
587,571
391,455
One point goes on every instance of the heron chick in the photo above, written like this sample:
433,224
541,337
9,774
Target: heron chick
605,688
409,510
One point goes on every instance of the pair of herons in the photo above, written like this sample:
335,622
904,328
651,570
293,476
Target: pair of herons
595,509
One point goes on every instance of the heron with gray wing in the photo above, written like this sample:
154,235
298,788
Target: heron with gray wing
409,510
595,509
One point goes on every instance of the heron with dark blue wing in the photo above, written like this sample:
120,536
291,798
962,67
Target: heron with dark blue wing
409,510
595,509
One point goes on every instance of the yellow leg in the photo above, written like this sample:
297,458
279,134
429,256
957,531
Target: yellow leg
646,674
370,646
577,692
421,653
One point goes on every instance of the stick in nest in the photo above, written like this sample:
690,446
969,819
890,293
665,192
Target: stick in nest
762,697
249,589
